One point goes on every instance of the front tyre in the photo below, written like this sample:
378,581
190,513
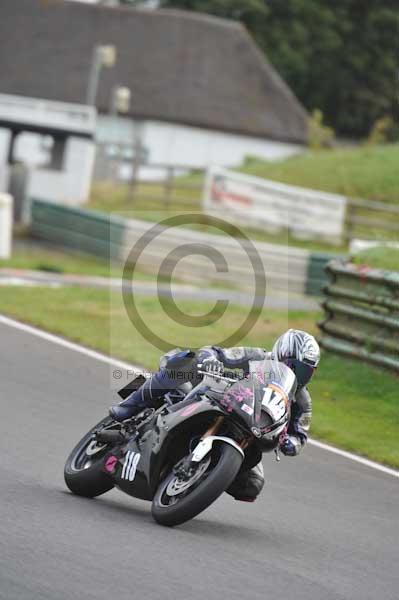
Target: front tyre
177,500
83,472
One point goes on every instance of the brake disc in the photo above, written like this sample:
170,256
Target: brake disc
178,486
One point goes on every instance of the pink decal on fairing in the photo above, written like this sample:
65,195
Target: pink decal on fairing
110,464
190,409
238,394
260,374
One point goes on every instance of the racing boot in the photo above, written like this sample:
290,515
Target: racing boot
248,484
166,379
129,408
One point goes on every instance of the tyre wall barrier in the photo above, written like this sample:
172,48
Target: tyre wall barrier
362,313
111,237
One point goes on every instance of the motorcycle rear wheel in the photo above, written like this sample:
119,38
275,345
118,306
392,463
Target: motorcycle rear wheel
212,482
83,473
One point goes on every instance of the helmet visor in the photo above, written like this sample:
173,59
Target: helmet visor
303,372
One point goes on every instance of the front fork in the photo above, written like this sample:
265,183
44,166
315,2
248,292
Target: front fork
184,470
214,429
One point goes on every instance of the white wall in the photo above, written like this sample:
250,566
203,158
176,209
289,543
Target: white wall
200,147
171,144
72,184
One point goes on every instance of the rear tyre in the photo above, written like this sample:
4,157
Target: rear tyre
215,475
83,472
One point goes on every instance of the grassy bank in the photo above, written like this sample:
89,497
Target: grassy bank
369,172
355,405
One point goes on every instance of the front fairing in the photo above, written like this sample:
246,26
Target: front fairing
175,427
247,398
137,468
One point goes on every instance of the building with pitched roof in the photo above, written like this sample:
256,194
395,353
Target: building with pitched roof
201,90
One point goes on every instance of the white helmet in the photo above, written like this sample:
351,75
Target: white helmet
299,351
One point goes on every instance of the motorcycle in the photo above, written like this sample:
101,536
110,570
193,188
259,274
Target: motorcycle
183,455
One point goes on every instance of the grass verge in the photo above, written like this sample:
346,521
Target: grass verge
379,258
36,258
355,405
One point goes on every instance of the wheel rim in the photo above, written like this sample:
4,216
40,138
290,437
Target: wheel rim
175,488
86,455
89,452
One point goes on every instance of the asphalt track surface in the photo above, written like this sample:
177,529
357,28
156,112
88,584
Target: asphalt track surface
325,528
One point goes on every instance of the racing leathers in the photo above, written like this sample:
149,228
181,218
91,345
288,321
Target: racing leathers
178,367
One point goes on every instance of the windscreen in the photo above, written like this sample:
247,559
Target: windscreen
273,371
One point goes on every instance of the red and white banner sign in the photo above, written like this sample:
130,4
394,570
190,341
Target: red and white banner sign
275,207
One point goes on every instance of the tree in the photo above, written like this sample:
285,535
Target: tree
341,57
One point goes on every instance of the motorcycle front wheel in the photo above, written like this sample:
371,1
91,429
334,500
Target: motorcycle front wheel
179,499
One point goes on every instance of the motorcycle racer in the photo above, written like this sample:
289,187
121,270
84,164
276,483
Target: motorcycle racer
297,349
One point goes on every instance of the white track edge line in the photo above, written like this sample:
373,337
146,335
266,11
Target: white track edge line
55,339
50,337
354,457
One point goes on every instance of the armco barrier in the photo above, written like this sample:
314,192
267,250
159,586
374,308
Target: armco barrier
111,237
362,314
88,231
316,276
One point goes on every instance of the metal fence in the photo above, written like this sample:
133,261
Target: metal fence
366,219
362,314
